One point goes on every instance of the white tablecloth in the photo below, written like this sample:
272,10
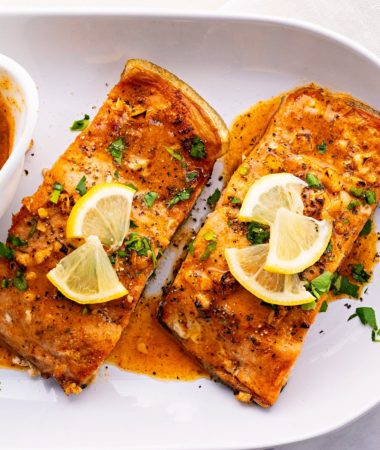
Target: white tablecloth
358,19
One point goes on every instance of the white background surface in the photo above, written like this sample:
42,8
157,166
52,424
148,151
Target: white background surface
358,19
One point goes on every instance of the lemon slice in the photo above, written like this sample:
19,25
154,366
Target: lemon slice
247,267
296,242
104,212
268,194
86,275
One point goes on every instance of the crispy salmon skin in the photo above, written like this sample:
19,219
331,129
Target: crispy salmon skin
170,140
239,339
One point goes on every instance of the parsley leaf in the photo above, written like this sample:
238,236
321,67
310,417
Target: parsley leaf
174,154
17,241
353,205
309,306
190,247
370,197
81,186
322,148
356,192
19,281
367,228
132,224
235,201
116,150
190,176
359,274
183,195
313,181
6,252
131,185
80,125
57,189
33,227
367,316
209,236
150,198
323,307
213,198
197,149
321,284
342,285
257,233
141,245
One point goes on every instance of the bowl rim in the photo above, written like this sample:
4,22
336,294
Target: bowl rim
28,88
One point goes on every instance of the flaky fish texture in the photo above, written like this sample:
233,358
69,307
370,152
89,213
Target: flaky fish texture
171,138
245,343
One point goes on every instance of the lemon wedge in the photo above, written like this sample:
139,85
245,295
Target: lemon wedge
247,267
104,212
86,275
268,194
296,242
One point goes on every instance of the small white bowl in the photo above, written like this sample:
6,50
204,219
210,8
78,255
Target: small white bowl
20,94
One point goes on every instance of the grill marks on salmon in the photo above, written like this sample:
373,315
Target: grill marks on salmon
240,340
152,111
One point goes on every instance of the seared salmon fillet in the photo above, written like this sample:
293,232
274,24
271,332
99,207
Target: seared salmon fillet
240,340
168,139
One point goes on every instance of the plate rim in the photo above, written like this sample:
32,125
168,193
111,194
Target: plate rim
221,16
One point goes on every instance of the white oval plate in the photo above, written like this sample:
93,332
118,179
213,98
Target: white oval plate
232,62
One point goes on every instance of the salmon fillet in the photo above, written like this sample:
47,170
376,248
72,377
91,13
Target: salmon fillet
240,340
171,139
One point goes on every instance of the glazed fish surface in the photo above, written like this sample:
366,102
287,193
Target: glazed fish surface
240,340
153,133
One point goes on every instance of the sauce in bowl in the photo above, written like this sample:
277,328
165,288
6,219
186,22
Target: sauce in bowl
6,132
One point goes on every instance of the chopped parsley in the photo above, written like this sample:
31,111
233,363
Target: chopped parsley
367,228
116,150
342,285
116,174
190,247
356,192
309,306
353,205
190,176
141,245
257,233
4,283
183,195
367,316
132,224
313,181
132,186
174,154
6,252
211,239
324,307
359,274
235,201
322,148
197,149
321,284
150,198
19,281
80,125
213,198
17,241
370,197
81,186
57,189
